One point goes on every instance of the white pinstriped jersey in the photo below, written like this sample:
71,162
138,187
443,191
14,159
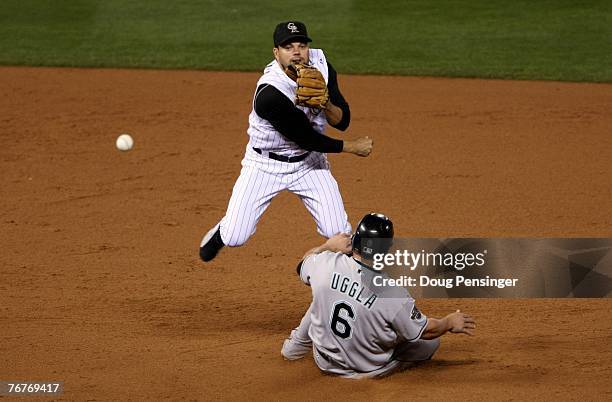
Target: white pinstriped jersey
262,134
351,324
262,177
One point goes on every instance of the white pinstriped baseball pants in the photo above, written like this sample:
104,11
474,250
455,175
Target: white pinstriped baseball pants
261,179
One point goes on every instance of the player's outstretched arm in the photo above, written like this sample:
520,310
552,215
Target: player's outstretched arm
360,147
456,323
340,243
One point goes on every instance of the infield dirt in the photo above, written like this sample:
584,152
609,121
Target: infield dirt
101,282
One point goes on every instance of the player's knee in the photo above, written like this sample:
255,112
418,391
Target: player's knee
331,231
235,239
433,345
327,233
236,243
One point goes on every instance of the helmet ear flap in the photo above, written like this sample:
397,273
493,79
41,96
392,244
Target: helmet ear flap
355,242
356,237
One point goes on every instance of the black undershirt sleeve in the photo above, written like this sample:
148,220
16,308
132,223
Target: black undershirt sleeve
337,99
272,105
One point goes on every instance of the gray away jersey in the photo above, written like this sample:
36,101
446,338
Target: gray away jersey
352,325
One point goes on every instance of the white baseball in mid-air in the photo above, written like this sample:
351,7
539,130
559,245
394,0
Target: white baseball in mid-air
124,142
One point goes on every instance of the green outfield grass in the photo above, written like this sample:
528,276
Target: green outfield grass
554,40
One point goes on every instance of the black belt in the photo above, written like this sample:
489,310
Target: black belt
282,158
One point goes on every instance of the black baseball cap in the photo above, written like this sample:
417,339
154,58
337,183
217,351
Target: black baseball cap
294,31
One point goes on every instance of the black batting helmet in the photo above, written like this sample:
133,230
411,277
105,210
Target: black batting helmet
374,235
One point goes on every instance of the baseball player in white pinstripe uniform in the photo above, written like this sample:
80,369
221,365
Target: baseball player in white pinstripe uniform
353,328
287,147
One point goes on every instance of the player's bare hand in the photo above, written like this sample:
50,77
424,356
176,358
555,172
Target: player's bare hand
361,146
340,243
461,323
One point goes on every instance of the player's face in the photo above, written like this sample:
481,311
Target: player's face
291,53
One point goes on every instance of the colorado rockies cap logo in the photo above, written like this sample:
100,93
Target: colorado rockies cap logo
292,27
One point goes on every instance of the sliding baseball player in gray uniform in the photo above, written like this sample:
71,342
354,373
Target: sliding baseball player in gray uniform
351,328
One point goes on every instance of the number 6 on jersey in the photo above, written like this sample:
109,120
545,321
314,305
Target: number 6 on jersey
344,329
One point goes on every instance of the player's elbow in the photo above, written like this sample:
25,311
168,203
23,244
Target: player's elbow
344,122
307,146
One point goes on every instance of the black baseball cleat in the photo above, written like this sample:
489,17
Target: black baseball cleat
211,244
